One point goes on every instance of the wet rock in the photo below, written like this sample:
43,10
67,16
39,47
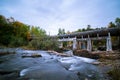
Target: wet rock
85,70
58,54
9,75
49,71
78,73
5,72
96,63
5,53
70,53
34,55
48,67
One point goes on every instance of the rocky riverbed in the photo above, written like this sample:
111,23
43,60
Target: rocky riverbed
47,65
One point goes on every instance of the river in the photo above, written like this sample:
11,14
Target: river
47,67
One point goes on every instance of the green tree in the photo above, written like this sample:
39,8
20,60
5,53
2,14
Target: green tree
61,31
88,28
83,29
3,21
6,31
20,31
117,21
79,30
111,24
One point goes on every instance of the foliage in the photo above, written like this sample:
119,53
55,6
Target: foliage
61,31
14,34
115,72
17,41
111,24
83,29
117,22
6,31
3,21
44,43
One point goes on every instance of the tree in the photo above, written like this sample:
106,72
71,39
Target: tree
79,30
6,31
68,32
89,28
83,29
111,24
61,31
117,22
37,31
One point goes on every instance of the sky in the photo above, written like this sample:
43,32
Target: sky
70,15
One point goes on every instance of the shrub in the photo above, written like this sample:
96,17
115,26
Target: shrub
17,41
44,43
115,72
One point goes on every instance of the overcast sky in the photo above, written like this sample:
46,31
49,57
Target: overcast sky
68,14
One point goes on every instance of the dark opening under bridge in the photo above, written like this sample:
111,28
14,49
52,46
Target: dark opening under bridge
79,38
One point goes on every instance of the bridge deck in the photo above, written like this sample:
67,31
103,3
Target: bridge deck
93,33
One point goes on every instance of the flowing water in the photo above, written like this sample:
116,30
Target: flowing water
47,67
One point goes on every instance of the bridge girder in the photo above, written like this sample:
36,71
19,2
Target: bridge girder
93,33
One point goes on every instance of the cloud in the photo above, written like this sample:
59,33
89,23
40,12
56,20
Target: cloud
68,14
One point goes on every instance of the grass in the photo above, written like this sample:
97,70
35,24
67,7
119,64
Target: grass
115,72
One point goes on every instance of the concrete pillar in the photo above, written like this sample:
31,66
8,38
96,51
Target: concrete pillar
108,43
79,45
74,44
89,47
61,45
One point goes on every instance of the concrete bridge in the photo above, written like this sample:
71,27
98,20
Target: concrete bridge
83,40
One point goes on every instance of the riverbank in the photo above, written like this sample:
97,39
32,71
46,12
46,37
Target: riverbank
109,62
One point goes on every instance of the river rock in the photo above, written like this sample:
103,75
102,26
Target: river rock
49,71
33,55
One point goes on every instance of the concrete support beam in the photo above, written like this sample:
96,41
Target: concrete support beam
74,44
109,43
79,45
89,46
